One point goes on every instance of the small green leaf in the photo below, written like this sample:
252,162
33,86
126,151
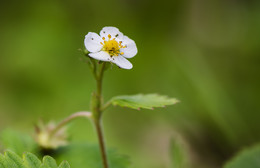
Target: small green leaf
49,162
248,158
64,164
148,101
29,160
14,160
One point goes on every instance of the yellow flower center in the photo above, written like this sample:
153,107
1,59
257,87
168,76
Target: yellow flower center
112,46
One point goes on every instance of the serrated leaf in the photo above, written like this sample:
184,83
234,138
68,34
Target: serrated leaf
78,155
29,160
248,158
49,162
85,155
148,101
64,164
13,160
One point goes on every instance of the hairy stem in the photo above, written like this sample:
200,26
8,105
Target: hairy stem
96,103
102,144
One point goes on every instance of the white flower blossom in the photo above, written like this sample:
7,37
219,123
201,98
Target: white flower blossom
111,46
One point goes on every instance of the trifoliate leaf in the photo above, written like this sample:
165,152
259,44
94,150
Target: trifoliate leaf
248,158
29,160
148,101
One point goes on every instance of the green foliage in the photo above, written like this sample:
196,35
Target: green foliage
85,155
138,101
78,154
248,158
29,160
178,154
18,142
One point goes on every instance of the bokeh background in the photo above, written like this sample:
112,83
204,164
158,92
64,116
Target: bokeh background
205,53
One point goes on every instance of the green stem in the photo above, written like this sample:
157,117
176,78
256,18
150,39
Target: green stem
97,102
102,144
100,79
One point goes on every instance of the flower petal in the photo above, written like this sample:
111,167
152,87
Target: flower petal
101,55
92,42
122,62
113,31
130,50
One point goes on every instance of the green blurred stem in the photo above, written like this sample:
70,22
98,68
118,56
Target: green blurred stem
96,106
102,146
85,114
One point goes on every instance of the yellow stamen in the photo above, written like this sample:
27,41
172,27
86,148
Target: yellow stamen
112,46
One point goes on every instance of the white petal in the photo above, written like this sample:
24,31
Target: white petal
113,31
122,62
101,55
130,50
92,42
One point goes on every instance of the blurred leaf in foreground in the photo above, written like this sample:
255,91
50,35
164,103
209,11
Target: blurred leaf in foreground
29,160
18,142
78,154
138,101
248,158
85,155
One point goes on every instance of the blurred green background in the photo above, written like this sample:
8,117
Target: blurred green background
205,53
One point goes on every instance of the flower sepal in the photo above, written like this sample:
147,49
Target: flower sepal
48,138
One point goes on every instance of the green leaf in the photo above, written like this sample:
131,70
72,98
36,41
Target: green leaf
49,162
13,160
18,142
85,155
64,164
29,160
78,154
148,101
2,165
248,158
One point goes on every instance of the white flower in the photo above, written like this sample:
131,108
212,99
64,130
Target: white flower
111,46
